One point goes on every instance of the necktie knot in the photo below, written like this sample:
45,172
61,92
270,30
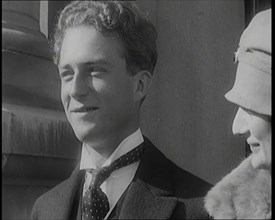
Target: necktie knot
95,202
101,174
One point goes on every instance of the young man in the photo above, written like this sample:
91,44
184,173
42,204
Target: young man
106,54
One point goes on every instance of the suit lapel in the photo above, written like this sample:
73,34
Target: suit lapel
141,203
149,195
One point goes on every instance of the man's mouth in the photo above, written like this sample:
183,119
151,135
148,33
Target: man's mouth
84,109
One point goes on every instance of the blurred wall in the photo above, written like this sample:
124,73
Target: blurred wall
39,148
185,113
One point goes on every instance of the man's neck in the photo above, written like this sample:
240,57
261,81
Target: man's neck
106,146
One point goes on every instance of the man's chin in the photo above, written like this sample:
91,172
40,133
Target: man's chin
84,135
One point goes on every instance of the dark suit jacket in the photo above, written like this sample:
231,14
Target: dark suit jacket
159,190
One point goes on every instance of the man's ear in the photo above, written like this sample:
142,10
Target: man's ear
143,81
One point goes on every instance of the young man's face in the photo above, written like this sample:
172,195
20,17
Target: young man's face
257,131
96,89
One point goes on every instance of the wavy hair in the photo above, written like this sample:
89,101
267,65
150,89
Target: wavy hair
120,19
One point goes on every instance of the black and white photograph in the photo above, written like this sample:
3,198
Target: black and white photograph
136,109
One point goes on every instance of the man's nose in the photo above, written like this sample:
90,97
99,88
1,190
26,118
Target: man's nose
240,123
79,86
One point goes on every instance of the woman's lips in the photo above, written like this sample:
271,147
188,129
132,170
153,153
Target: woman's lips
255,147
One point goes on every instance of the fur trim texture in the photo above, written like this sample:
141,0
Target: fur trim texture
245,193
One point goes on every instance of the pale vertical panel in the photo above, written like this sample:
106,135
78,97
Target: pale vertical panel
43,21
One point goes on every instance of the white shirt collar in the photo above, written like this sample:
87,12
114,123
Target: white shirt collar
90,158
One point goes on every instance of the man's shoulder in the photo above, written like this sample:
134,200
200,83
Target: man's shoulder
60,191
157,170
45,200
190,184
184,183
47,197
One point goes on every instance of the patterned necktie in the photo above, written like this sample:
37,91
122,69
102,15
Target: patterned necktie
95,205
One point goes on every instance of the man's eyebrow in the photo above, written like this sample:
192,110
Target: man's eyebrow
66,66
99,61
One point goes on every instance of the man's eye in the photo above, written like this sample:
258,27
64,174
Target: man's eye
96,71
66,76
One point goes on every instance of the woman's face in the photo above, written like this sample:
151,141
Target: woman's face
257,130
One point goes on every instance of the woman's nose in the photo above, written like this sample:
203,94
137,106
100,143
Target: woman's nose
240,123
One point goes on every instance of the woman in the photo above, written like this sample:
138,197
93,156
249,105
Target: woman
246,191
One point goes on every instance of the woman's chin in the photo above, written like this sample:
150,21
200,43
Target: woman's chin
257,163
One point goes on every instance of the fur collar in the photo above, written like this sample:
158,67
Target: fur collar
243,193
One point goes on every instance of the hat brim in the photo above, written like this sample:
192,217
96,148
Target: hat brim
251,90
